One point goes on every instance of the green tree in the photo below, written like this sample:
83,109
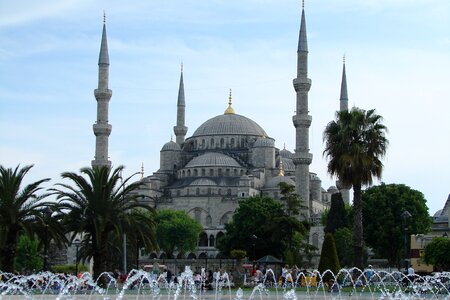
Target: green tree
290,198
383,223
176,231
264,218
437,253
354,144
337,215
19,211
328,258
343,238
28,256
102,206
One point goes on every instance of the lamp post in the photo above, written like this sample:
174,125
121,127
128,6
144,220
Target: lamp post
406,216
77,243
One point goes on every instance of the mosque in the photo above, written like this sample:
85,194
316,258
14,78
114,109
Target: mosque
228,158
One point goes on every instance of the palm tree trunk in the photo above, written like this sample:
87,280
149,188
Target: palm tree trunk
8,253
358,227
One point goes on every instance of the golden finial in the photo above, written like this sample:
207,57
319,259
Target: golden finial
281,168
171,138
142,170
229,110
104,17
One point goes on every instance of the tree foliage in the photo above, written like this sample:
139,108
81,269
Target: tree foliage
176,231
291,200
20,209
354,144
328,258
337,216
343,238
102,207
383,223
28,258
437,253
264,218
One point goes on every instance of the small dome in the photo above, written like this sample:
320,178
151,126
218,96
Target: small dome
438,213
212,159
171,146
332,189
273,182
203,182
264,142
288,164
286,153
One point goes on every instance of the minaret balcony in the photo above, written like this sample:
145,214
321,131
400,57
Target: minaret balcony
302,157
102,94
302,121
302,84
102,129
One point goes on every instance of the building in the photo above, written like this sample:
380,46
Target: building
440,227
227,158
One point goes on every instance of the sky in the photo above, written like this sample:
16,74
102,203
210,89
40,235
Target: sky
397,62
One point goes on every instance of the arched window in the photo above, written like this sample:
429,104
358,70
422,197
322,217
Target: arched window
219,235
195,172
235,172
202,255
208,221
211,241
212,142
227,172
189,173
203,143
222,143
203,240
220,191
242,172
195,144
191,256
203,172
219,172
184,174
211,172
232,142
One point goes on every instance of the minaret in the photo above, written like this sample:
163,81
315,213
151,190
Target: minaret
302,120
102,129
343,103
180,129
344,96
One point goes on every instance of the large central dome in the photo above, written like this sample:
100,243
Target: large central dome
229,124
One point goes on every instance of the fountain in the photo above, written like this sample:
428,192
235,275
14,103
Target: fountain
346,284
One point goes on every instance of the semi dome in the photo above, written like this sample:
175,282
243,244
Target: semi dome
171,146
211,159
229,124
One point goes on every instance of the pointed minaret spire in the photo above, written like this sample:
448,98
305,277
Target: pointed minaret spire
344,94
180,129
302,39
302,121
142,170
103,94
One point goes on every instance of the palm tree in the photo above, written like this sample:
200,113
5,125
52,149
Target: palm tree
354,144
20,211
102,207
